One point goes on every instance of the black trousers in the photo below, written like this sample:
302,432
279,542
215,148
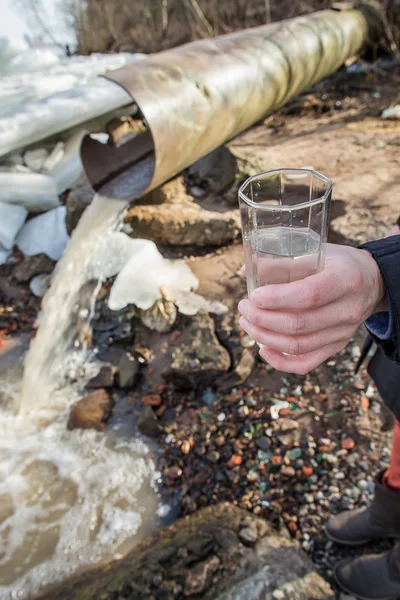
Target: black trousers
386,375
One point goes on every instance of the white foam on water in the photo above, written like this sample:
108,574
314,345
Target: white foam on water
68,499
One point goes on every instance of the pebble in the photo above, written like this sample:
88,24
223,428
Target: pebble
288,471
213,456
152,400
250,402
209,398
252,476
348,443
363,484
248,535
221,417
278,595
186,447
263,443
364,402
307,471
243,411
169,438
234,461
309,498
173,472
340,475
294,454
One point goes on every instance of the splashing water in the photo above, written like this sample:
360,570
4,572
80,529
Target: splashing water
68,499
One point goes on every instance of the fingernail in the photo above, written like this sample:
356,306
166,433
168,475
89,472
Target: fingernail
243,322
256,297
242,306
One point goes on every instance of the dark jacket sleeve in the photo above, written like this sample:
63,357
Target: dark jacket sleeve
386,252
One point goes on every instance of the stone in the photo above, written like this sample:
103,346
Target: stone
31,266
103,379
170,216
215,171
148,422
188,418
199,359
128,371
39,285
288,471
160,317
45,234
243,411
77,201
263,443
248,535
241,372
12,217
92,412
152,400
199,578
234,461
173,473
274,563
348,444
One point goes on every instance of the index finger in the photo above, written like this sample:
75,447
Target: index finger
312,292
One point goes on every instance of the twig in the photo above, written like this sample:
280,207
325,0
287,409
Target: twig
268,11
164,15
195,9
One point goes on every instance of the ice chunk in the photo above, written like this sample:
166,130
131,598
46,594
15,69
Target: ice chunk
35,192
45,234
12,218
40,284
141,279
4,254
35,159
68,169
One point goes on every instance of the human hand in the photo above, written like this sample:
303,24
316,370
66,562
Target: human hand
301,324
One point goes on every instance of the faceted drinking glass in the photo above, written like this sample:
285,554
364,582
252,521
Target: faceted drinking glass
285,219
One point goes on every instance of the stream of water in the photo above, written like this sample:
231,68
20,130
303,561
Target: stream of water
68,499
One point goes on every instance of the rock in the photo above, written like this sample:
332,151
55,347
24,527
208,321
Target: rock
177,220
35,192
364,402
152,400
148,422
12,217
92,412
103,379
243,411
288,471
348,444
215,171
31,266
241,372
252,476
263,443
392,113
40,284
77,201
188,418
248,535
234,461
128,371
307,471
213,456
230,570
160,317
199,359
199,578
45,234
173,473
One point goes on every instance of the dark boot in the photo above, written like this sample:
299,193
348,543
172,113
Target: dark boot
374,577
380,520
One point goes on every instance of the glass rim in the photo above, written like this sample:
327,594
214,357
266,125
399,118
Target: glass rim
284,207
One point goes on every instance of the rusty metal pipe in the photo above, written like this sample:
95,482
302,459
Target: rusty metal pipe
197,96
